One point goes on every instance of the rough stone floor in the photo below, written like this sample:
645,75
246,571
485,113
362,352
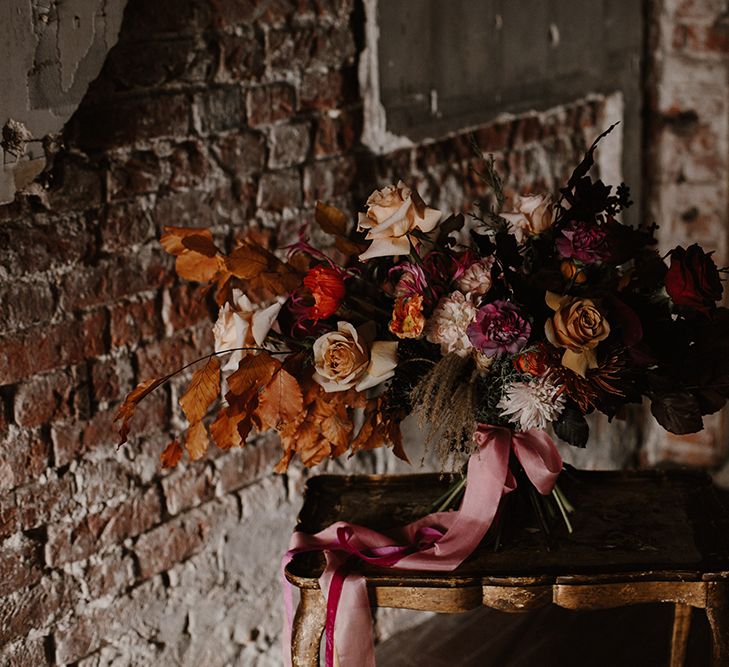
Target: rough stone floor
637,636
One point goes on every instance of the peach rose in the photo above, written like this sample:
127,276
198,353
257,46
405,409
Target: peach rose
531,215
408,320
392,214
343,359
243,325
578,326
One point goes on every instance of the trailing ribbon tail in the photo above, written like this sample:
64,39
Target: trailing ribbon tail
439,542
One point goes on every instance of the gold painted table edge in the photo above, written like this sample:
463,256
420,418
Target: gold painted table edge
450,593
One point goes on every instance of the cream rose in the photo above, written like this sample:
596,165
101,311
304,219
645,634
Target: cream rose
392,214
243,325
579,326
531,215
344,360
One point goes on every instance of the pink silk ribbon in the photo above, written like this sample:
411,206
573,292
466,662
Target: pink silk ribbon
438,542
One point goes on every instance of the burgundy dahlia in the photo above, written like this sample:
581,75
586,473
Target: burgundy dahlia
586,243
499,329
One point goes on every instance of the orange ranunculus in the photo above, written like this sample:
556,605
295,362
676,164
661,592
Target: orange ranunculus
327,287
408,320
533,362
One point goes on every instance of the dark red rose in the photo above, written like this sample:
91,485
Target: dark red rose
583,242
693,280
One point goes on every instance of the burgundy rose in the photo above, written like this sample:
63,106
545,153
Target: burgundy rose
693,279
586,243
498,329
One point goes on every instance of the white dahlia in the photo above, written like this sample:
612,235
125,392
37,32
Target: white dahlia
532,404
448,325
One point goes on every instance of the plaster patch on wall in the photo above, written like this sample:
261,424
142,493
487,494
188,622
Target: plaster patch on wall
51,50
374,133
609,156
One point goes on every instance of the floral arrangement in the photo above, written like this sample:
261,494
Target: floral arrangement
526,316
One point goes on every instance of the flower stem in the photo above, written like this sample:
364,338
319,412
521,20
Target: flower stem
564,509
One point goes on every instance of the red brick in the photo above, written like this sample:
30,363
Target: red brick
139,173
125,225
34,607
186,488
112,279
155,63
9,524
167,355
21,562
246,11
153,19
25,457
126,122
329,89
289,144
44,348
24,304
68,542
25,653
152,416
108,572
44,243
336,134
111,379
220,109
306,45
42,503
241,54
186,304
75,186
47,397
102,481
241,467
279,190
328,179
268,104
241,154
134,321
189,165
66,441
171,543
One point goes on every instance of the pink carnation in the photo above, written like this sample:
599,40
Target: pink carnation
499,329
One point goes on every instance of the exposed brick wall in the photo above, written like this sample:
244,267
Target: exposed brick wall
226,114
688,167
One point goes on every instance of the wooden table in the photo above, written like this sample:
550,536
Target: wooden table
638,537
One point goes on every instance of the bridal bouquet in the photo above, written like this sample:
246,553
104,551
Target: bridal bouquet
528,315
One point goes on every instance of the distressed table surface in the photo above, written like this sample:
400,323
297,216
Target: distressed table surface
658,536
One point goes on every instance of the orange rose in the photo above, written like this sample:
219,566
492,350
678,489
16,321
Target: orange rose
578,326
571,271
407,317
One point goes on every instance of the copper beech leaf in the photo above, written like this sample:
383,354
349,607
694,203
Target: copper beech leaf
204,388
197,441
224,430
280,401
197,258
262,269
172,455
334,222
126,410
254,371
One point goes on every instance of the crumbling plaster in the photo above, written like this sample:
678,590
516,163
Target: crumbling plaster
50,51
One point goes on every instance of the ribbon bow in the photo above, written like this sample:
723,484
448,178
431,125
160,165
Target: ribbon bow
438,542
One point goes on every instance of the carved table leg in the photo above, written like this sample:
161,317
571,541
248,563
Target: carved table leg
308,628
679,640
717,609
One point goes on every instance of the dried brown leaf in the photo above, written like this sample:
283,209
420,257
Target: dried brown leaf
203,390
224,430
197,441
280,401
126,410
253,372
330,219
172,455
